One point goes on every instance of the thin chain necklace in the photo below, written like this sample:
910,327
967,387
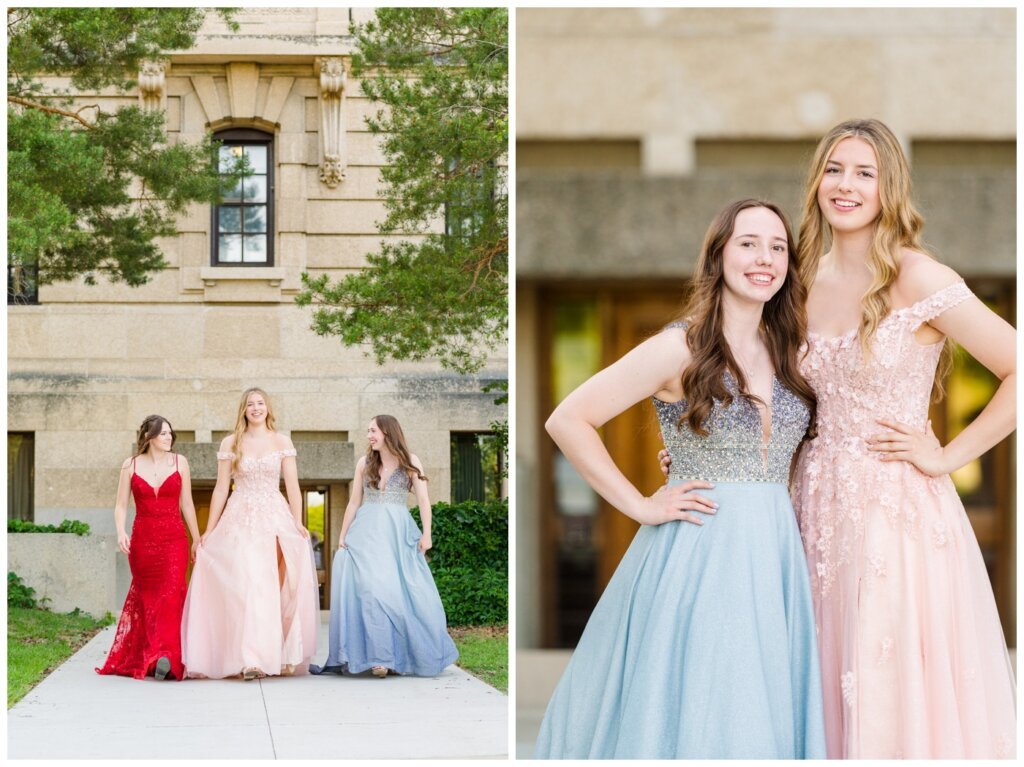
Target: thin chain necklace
747,368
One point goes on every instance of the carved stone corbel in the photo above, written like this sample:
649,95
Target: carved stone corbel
153,86
332,130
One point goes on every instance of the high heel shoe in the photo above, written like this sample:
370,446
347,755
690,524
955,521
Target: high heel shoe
163,668
379,671
249,674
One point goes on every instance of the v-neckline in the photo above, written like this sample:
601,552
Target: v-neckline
156,490
769,409
381,482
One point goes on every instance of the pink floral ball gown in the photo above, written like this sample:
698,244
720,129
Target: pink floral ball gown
913,659
252,599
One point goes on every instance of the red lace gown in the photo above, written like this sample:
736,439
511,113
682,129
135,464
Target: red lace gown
150,624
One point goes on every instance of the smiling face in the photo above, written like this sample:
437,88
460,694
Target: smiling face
165,439
374,436
756,256
848,194
255,408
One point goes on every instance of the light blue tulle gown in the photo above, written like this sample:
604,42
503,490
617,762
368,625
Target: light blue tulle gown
703,644
385,609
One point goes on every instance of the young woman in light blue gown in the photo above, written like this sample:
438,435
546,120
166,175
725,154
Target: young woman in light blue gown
386,614
703,644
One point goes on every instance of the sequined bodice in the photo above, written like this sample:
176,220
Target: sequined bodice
894,381
260,475
394,490
733,450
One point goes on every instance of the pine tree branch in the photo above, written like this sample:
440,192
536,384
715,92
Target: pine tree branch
53,110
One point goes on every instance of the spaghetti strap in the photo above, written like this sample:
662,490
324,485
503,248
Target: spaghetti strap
175,461
133,464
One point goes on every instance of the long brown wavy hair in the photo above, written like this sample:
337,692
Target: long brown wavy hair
149,430
394,440
783,325
898,226
241,422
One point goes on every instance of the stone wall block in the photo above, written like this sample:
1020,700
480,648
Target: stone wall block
73,571
353,217
243,83
72,488
277,95
294,149
251,335
209,98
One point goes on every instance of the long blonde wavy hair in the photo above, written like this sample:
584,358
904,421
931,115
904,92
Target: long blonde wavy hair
241,422
898,226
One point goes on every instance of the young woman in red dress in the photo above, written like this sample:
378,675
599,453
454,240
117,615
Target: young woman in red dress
148,638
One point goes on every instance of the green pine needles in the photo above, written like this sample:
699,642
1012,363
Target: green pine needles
438,285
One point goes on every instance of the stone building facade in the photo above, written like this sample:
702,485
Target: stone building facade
87,363
659,117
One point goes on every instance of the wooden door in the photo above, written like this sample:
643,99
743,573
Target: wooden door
633,438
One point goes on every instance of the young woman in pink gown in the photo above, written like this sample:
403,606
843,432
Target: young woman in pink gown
252,606
913,659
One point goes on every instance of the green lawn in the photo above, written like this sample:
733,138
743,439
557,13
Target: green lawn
38,641
483,652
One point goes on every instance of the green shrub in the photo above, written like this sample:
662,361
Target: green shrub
19,594
67,526
470,560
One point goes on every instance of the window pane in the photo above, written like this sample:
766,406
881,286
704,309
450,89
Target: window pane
256,189
234,194
230,250
255,218
255,249
228,157
257,156
229,219
20,476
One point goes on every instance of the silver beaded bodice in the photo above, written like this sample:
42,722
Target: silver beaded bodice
394,490
734,451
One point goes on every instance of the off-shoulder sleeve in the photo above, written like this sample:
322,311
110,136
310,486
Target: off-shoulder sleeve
222,456
289,452
938,302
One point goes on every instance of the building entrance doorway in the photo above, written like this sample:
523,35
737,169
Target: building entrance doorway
315,503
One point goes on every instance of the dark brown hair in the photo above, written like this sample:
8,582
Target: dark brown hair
394,440
151,427
783,323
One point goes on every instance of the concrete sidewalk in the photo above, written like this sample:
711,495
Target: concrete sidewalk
77,714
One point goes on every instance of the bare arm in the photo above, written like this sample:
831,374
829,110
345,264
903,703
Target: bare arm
188,508
221,489
354,502
653,367
121,506
290,472
992,342
419,488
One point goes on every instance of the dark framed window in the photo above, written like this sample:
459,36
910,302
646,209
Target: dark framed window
243,224
476,466
471,197
22,284
21,475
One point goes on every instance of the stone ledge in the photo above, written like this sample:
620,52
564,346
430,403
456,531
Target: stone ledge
73,571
